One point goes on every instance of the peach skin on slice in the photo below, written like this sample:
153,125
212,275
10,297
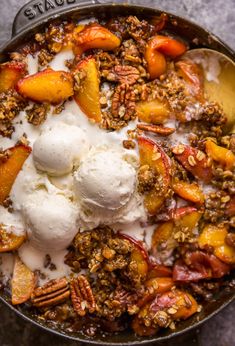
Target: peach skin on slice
186,218
88,96
184,303
153,156
171,305
223,156
10,73
187,191
156,49
155,286
194,161
214,237
139,255
159,271
46,86
10,168
95,36
10,241
22,284
193,77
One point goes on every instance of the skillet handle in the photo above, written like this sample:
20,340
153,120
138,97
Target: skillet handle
39,11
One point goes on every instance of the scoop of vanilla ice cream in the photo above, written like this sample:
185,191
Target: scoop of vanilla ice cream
104,180
60,148
50,220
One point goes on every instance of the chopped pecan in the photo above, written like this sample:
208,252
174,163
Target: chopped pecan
129,52
82,296
52,293
160,130
123,105
123,74
138,30
106,60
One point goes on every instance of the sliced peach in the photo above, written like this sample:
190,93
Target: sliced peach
186,218
88,96
46,86
187,191
153,155
156,61
156,48
23,282
179,301
155,286
11,167
162,234
159,271
95,36
10,241
225,253
141,262
214,236
10,73
182,219
199,265
194,161
183,273
152,112
139,327
223,156
159,285
139,255
193,76
175,304
184,304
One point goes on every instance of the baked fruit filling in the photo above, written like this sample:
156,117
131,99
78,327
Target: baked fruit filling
117,189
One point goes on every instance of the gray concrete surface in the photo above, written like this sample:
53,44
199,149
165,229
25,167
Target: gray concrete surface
217,16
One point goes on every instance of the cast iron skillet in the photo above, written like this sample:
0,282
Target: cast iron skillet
29,19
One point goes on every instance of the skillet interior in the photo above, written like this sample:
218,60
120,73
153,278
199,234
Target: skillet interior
189,32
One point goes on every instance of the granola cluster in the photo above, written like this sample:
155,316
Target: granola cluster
11,104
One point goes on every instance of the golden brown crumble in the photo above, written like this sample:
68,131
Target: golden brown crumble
37,113
11,104
147,178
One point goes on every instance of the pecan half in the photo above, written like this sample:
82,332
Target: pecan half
123,74
123,105
160,130
52,293
82,296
